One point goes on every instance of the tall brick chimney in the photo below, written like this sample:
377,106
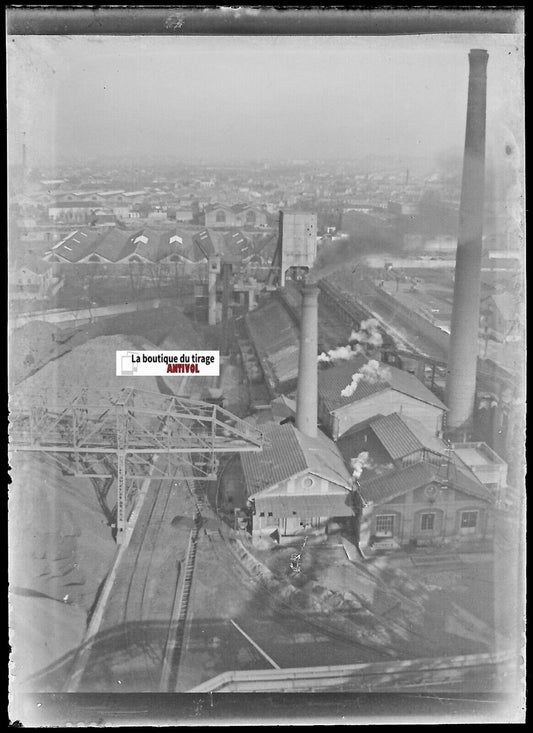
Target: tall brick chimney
307,392
462,358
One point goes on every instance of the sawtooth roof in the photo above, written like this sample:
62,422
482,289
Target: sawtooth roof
80,243
116,245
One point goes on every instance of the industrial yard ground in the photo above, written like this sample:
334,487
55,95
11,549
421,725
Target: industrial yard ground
246,609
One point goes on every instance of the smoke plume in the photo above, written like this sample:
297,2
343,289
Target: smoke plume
368,334
359,463
372,372
341,352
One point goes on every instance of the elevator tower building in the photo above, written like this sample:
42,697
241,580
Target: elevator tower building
298,242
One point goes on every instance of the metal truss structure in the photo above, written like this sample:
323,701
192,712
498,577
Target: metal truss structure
135,435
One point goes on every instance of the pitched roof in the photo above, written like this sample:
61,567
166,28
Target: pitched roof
428,439
156,244
115,245
33,264
204,244
213,207
332,504
333,379
80,243
283,406
397,482
286,453
73,205
276,338
235,243
505,303
395,436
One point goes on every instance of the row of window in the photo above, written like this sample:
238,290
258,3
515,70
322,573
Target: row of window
385,522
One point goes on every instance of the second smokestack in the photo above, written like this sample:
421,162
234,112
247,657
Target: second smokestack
464,332
307,392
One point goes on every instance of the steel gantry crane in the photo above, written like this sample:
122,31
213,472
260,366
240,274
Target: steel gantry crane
122,435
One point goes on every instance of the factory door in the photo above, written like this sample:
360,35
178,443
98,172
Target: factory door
291,525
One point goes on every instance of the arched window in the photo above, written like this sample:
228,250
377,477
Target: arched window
250,217
221,216
134,258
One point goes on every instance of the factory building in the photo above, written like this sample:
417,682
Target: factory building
425,503
390,390
31,278
238,215
297,483
392,441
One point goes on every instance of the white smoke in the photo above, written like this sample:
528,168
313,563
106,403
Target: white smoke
359,463
368,333
340,353
372,372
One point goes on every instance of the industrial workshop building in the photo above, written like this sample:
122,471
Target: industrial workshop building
238,215
417,488
297,482
398,391
425,503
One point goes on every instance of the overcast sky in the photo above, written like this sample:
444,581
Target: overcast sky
234,97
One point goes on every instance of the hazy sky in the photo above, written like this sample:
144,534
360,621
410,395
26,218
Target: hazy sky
248,97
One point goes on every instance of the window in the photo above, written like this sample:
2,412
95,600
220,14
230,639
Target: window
384,525
221,216
427,522
270,514
468,522
261,514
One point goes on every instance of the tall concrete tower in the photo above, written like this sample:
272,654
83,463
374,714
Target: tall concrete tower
462,360
307,392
